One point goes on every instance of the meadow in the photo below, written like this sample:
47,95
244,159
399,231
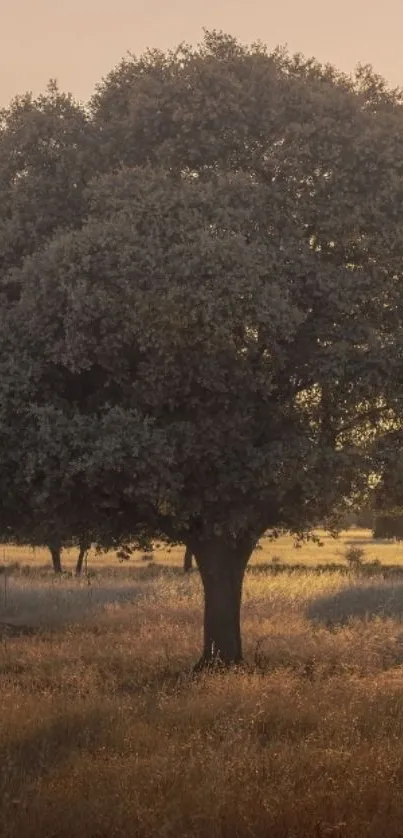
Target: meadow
104,731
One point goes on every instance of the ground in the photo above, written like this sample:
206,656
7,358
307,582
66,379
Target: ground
104,732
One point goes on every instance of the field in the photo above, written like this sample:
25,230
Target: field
104,732
332,552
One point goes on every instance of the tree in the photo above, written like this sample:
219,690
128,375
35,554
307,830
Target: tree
47,495
388,493
84,547
388,526
217,339
47,157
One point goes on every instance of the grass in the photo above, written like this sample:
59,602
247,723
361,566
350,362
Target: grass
103,731
332,552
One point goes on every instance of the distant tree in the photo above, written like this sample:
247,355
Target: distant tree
388,494
48,497
388,526
211,352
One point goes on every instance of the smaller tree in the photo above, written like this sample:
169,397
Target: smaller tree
388,526
388,493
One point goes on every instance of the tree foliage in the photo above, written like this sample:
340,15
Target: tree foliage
202,338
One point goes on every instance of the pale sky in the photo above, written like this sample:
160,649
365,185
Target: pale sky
79,41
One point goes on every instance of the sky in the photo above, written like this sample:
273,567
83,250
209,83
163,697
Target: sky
79,41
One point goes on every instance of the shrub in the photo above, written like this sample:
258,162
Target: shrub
354,557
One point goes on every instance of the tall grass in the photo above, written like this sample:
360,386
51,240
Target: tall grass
104,732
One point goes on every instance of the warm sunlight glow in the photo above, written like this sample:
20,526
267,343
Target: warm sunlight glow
80,41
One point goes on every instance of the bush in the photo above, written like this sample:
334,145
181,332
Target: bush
354,557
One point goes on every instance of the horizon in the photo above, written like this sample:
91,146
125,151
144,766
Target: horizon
81,43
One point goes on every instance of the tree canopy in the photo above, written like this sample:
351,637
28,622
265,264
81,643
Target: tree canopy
200,336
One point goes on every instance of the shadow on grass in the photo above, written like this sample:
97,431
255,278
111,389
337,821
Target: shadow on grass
35,754
27,609
363,602
32,604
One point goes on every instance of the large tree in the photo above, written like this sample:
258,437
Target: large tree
218,336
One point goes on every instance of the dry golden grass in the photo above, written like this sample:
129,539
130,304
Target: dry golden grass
104,733
332,551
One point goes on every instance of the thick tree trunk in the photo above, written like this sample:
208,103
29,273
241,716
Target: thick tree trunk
222,570
187,560
56,554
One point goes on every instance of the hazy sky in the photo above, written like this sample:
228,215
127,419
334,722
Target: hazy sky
78,41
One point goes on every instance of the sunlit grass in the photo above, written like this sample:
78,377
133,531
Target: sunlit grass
332,549
104,731
282,550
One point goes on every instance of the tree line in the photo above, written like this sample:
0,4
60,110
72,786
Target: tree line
201,319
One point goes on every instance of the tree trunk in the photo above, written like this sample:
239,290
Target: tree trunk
80,560
56,554
222,568
187,561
